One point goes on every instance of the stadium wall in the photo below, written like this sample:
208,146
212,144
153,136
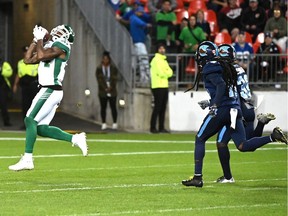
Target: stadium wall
186,115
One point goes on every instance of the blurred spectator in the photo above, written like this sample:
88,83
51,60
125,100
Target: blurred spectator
155,6
184,23
166,22
216,5
27,79
262,3
282,4
253,19
277,25
124,7
244,53
269,65
129,8
192,36
6,72
202,23
107,77
229,19
138,30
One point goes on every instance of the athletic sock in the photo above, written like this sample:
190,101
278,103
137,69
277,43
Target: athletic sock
199,154
54,133
197,176
224,157
31,134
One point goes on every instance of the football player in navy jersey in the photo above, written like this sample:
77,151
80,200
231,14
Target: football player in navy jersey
228,53
220,81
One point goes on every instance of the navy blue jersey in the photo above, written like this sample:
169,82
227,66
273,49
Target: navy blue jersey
216,86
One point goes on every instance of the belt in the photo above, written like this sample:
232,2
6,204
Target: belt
54,87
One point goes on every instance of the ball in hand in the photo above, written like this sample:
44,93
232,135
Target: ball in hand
46,37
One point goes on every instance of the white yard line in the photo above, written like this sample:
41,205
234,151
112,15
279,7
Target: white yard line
137,153
119,141
135,212
83,188
137,167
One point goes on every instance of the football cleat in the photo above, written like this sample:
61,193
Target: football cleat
222,179
80,141
23,164
278,135
193,181
265,118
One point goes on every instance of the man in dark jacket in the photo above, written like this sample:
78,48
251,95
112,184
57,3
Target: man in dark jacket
253,19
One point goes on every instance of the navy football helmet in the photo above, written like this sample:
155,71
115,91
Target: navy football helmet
227,51
206,51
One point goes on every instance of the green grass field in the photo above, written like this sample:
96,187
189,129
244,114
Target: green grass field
139,174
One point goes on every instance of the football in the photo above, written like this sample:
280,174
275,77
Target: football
46,37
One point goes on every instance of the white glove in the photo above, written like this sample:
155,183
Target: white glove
39,32
204,103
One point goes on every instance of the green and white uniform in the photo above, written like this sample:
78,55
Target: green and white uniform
50,73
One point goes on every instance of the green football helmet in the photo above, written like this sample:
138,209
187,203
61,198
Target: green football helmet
63,32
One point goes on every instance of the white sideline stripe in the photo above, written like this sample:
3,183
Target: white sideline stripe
120,140
263,188
139,167
132,153
126,186
108,140
182,209
86,188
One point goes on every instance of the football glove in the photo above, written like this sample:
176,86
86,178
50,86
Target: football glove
39,32
204,103
213,111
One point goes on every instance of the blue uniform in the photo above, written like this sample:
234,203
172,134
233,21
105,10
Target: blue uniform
228,115
216,86
221,97
243,53
247,108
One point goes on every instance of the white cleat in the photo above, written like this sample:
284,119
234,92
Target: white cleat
114,126
223,180
23,164
80,141
104,126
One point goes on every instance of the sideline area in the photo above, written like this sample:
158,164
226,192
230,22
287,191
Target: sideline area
63,120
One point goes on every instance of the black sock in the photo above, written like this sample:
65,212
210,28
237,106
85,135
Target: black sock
224,157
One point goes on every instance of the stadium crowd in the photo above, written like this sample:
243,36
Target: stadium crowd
251,26
216,19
